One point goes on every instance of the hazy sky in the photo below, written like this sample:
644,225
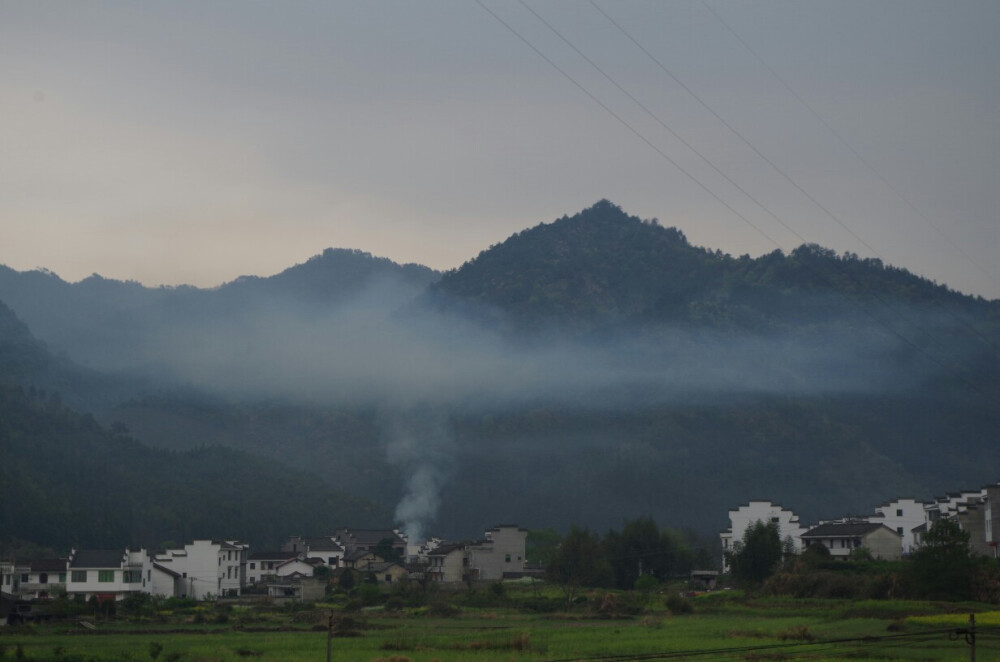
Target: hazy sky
192,141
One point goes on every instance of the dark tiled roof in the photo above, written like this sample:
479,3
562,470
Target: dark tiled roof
323,545
170,572
445,550
271,556
370,536
48,565
354,556
98,558
843,530
382,567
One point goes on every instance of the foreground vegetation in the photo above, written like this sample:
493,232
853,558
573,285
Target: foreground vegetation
519,622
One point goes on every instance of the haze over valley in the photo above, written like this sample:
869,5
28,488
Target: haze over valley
586,370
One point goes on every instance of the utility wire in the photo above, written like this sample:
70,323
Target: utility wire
826,644
621,120
774,166
847,144
888,306
868,165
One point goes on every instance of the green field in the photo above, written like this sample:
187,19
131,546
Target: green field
722,627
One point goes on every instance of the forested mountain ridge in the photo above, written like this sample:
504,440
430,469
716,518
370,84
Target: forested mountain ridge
587,371
66,480
602,266
116,325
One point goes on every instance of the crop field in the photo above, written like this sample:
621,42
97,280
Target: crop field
719,628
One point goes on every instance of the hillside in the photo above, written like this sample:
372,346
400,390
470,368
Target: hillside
66,480
602,267
587,371
124,326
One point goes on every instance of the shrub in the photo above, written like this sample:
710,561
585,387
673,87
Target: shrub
678,605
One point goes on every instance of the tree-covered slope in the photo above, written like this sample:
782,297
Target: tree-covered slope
602,267
124,326
65,480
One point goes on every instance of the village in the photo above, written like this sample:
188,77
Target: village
895,530
303,568
300,570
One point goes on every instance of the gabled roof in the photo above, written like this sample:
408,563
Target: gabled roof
845,530
359,554
97,558
168,571
446,549
370,536
323,545
271,556
48,565
382,567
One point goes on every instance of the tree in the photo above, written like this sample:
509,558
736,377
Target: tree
385,550
579,562
755,558
642,548
943,567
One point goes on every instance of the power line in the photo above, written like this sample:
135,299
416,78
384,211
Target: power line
780,171
649,143
826,644
866,163
623,122
845,142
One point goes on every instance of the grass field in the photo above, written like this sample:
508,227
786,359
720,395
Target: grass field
722,627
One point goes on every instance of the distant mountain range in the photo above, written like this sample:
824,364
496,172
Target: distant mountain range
588,370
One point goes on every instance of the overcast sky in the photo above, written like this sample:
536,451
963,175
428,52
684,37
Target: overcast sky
193,142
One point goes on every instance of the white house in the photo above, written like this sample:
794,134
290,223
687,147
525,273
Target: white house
501,550
32,580
297,566
842,538
902,516
108,574
325,548
264,564
208,568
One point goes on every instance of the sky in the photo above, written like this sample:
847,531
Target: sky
191,142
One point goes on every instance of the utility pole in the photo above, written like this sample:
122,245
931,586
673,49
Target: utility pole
969,634
329,639
971,638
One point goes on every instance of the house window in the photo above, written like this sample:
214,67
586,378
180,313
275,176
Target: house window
43,578
130,576
774,520
388,579
899,512
79,577
105,576
899,530
24,578
62,577
506,558
253,566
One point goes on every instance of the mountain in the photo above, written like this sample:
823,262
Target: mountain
602,267
588,370
119,326
65,480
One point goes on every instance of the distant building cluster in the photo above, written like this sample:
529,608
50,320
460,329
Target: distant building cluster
207,569
894,530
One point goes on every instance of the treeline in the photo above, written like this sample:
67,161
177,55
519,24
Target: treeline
640,554
942,568
67,481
